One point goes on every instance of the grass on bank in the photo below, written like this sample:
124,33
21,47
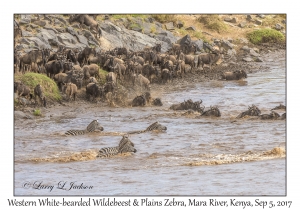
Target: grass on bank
214,23
164,18
32,79
265,35
37,112
102,74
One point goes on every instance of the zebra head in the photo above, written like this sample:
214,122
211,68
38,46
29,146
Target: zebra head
94,125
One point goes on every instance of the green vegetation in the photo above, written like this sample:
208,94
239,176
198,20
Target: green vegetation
213,22
102,74
50,88
265,35
164,18
37,112
129,16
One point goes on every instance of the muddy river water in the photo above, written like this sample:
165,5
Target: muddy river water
195,156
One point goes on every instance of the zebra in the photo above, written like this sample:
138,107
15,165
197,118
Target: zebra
94,125
125,146
153,127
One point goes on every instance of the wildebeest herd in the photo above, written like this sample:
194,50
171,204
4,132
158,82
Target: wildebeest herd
74,69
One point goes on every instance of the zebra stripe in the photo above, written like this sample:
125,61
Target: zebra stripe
94,125
108,151
125,146
76,132
152,126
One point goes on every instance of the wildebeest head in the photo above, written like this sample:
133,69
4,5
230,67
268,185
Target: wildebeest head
139,101
157,102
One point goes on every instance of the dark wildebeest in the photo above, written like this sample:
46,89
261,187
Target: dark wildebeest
157,102
94,90
213,111
34,56
139,101
189,104
71,56
22,90
54,67
150,71
88,21
71,90
235,75
272,116
38,92
281,106
84,55
208,58
252,111
165,75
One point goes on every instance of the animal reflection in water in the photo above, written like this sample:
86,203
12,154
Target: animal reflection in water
125,146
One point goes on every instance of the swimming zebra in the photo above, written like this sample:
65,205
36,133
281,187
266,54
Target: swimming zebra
94,125
125,146
153,127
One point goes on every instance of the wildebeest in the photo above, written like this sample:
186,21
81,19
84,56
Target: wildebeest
252,111
208,58
84,55
281,106
157,102
108,87
89,21
38,92
189,104
111,77
34,56
165,75
149,70
272,116
139,101
93,70
71,90
235,75
213,111
54,67
93,90
143,82
180,68
22,90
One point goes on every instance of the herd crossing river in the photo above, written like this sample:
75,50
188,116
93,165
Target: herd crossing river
195,156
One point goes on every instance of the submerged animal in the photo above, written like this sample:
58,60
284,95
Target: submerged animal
125,145
252,111
153,127
93,126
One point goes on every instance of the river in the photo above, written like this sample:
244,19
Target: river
195,156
